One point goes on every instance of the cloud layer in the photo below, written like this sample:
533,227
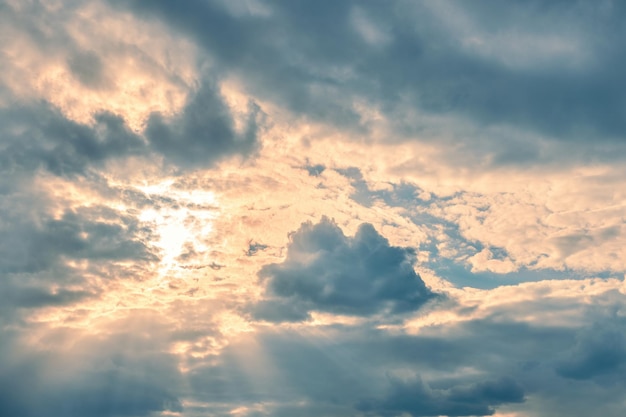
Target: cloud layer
274,208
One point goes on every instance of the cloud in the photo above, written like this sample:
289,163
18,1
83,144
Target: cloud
502,96
49,260
86,84
76,235
513,351
412,124
418,399
121,374
204,132
600,352
39,137
87,67
330,272
86,58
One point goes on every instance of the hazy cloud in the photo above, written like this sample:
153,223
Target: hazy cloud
122,374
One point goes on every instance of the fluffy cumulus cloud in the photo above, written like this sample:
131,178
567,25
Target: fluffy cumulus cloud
276,208
326,271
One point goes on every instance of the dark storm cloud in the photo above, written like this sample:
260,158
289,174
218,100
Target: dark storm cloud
548,69
328,271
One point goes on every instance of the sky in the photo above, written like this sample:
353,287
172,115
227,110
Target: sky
248,208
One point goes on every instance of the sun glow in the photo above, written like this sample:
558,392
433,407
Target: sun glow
182,225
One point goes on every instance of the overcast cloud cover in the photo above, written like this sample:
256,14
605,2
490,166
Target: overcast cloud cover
249,208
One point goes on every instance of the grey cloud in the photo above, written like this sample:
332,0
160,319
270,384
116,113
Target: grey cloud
79,234
418,399
36,251
305,376
495,347
41,137
339,370
277,310
600,352
204,132
255,247
87,67
347,370
317,69
328,271
311,59
122,374
400,195
26,295
247,46
315,170
37,135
